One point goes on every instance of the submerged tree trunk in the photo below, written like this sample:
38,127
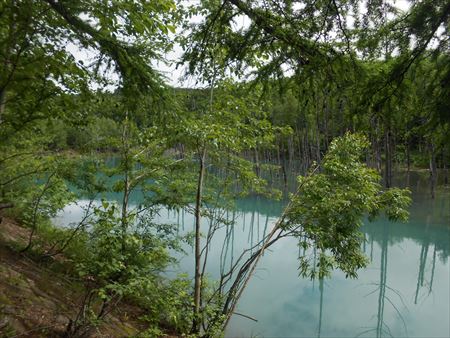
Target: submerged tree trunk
290,149
445,174
388,159
257,164
444,165
433,170
408,157
377,142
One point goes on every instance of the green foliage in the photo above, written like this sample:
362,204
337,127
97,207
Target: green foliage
318,70
129,265
37,186
225,126
167,303
119,260
380,71
327,211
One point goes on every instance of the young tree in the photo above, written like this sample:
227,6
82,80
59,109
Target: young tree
215,136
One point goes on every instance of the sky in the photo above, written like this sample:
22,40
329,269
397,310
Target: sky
169,69
174,75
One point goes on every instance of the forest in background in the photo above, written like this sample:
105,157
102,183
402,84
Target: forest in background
341,92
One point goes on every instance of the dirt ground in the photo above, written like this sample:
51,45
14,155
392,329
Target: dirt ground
37,301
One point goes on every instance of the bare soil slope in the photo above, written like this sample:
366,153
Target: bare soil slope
38,301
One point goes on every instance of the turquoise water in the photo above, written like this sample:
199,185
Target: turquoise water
404,292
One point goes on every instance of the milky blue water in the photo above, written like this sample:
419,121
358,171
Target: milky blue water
404,292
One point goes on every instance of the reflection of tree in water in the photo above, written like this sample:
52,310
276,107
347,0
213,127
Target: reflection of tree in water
226,251
382,287
385,292
420,229
425,228
320,306
422,263
422,268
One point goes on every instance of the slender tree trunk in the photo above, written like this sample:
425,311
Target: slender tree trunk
248,268
433,170
126,181
318,156
388,159
197,279
318,131
34,218
307,159
378,155
124,220
283,164
257,165
2,104
444,166
445,174
408,156
291,152
327,117
278,153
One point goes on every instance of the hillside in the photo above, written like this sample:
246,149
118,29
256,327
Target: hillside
38,300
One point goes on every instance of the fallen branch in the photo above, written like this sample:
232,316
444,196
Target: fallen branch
245,316
6,205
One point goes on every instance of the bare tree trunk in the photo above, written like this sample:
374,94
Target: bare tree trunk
388,159
433,170
408,156
306,157
318,156
444,166
257,165
445,174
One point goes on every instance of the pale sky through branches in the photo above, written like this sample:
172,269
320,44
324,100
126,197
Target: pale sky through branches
169,68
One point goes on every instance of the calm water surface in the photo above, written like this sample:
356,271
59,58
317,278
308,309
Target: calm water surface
404,292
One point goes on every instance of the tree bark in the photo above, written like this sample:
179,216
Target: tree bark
126,181
197,279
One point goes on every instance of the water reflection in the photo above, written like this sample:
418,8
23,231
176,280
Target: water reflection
404,292
320,306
